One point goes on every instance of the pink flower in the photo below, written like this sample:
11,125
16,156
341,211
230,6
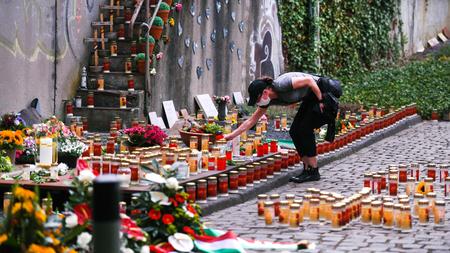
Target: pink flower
178,7
159,56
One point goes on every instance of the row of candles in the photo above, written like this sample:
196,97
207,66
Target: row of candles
339,211
389,181
364,129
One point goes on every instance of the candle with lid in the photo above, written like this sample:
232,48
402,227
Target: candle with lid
201,191
417,198
294,216
393,185
242,179
431,171
402,173
443,172
388,215
283,216
212,188
269,214
439,213
406,220
223,185
415,170
233,181
423,214
376,213
260,205
314,210
275,198
336,217
191,191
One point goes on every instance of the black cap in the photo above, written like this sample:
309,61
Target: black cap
255,89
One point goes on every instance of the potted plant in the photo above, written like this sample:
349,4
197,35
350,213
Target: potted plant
163,12
222,105
147,136
70,149
140,63
157,28
10,141
151,44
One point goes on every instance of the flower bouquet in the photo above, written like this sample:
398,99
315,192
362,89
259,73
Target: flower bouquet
12,121
222,105
10,141
69,149
145,136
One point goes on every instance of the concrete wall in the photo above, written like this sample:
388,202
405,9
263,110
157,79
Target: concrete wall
259,46
423,20
27,51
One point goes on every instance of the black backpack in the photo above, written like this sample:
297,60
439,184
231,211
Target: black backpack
330,85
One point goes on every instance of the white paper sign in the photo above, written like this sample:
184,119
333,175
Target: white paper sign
170,112
238,99
205,102
442,37
433,42
156,121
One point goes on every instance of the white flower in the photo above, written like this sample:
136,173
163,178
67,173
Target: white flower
181,242
145,249
155,178
126,250
83,240
71,221
172,183
191,215
160,197
86,176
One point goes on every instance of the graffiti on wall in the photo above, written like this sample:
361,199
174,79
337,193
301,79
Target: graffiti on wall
27,27
265,53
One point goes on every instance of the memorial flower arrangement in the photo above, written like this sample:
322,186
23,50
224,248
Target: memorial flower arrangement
165,211
27,228
71,146
145,136
12,121
10,140
221,99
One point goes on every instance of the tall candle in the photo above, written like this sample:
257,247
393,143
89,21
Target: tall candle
46,151
111,22
102,32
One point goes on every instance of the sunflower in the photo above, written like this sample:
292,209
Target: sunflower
23,194
421,188
7,136
35,248
40,216
18,139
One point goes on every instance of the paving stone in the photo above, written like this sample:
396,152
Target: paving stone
424,141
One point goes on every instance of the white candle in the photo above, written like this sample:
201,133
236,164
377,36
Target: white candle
46,151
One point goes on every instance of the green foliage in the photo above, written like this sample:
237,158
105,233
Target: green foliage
354,35
164,7
5,163
425,83
213,128
151,40
158,21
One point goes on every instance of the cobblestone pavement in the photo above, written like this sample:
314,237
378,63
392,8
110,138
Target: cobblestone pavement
428,141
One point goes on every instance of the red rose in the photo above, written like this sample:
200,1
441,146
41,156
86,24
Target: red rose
191,209
173,201
154,214
135,212
83,212
179,198
188,230
168,219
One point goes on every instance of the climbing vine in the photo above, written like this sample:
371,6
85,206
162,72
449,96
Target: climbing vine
355,35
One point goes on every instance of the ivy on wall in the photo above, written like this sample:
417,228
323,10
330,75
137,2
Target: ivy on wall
355,35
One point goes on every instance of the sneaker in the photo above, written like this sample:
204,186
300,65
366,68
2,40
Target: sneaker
305,173
313,175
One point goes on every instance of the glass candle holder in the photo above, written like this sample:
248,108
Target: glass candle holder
277,123
223,185
336,217
402,173
256,172
443,172
393,186
115,164
314,210
106,165
367,180
439,213
205,142
294,216
270,167
221,162
263,171
96,165
269,214
284,121
260,205
193,142
124,174
410,186
128,66
376,214
415,171
322,207
431,196
431,171
283,216
424,216
233,181
90,99
123,100
249,148
306,205
417,198
447,188
376,184
113,48
250,175
406,220
273,146
7,198
277,165
383,180
130,82
201,191
190,189
429,184
212,188
134,168
275,199
242,179
388,215
299,202
397,211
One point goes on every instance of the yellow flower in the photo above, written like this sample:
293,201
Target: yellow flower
16,208
18,139
171,22
34,248
40,216
421,188
28,206
3,238
23,194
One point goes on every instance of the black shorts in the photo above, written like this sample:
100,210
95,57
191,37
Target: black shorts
302,129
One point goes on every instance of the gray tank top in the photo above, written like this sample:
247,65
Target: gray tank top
286,94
